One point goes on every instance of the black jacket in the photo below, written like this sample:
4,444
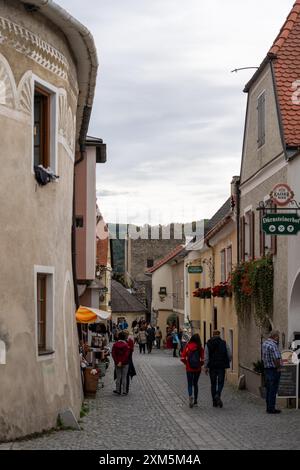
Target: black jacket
218,356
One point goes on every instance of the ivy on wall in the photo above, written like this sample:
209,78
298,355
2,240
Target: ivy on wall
253,285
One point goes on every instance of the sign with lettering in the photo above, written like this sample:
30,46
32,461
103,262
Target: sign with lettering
289,381
195,269
281,195
281,224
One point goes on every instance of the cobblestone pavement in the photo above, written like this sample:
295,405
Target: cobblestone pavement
155,416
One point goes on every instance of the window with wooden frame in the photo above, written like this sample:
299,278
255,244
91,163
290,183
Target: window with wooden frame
42,128
42,311
261,120
223,265
248,236
229,260
268,243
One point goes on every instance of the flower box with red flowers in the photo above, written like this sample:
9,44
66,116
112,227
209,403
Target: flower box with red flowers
223,289
204,293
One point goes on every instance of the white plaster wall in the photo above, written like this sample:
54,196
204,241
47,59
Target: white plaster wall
162,277
294,257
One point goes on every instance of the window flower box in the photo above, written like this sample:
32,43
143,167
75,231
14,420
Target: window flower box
223,289
202,293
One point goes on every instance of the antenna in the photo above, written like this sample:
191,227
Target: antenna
244,68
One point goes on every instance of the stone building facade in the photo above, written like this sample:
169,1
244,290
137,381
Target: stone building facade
47,81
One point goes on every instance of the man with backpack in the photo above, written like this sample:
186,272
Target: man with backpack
192,356
217,359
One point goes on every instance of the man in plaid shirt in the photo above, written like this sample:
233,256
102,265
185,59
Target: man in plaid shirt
272,363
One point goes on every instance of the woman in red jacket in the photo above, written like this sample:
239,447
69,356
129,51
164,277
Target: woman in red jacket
193,358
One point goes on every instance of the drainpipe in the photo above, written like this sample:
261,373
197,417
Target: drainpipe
238,209
212,278
81,158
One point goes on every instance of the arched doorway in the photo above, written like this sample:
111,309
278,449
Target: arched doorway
294,310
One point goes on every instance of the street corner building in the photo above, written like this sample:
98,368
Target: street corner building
270,157
48,68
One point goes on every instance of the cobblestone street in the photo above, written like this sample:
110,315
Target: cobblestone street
155,416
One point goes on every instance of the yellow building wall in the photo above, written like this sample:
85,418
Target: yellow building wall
227,321
202,310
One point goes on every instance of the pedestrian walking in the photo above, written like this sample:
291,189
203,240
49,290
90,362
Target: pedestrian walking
150,332
120,354
142,340
175,341
185,338
217,360
158,337
271,357
131,369
193,358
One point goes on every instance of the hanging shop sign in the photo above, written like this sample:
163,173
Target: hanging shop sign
281,224
195,269
282,195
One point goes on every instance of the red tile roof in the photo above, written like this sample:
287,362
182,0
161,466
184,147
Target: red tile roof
286,49
167,258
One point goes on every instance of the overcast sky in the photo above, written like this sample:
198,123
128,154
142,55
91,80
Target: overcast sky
166,104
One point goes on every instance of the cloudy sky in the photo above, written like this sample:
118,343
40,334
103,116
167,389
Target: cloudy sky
167,105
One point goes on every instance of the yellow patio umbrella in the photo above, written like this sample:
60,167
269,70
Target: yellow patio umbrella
90,315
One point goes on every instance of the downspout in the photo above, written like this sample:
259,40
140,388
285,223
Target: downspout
82,155
212,279
238,209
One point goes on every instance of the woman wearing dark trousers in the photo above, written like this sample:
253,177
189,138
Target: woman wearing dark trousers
131,369
175,342
193,358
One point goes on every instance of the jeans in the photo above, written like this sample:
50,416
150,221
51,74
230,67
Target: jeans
142,347
272,377
158,343
192,379
174,349
217,379
121,378
149,346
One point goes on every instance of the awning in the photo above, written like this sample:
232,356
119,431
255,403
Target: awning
90,315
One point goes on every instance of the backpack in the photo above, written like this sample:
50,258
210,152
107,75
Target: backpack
194,360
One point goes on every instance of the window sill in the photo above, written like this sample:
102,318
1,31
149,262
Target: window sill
46,353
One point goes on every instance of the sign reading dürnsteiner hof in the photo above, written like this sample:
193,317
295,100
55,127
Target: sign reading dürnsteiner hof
289,382
281,224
